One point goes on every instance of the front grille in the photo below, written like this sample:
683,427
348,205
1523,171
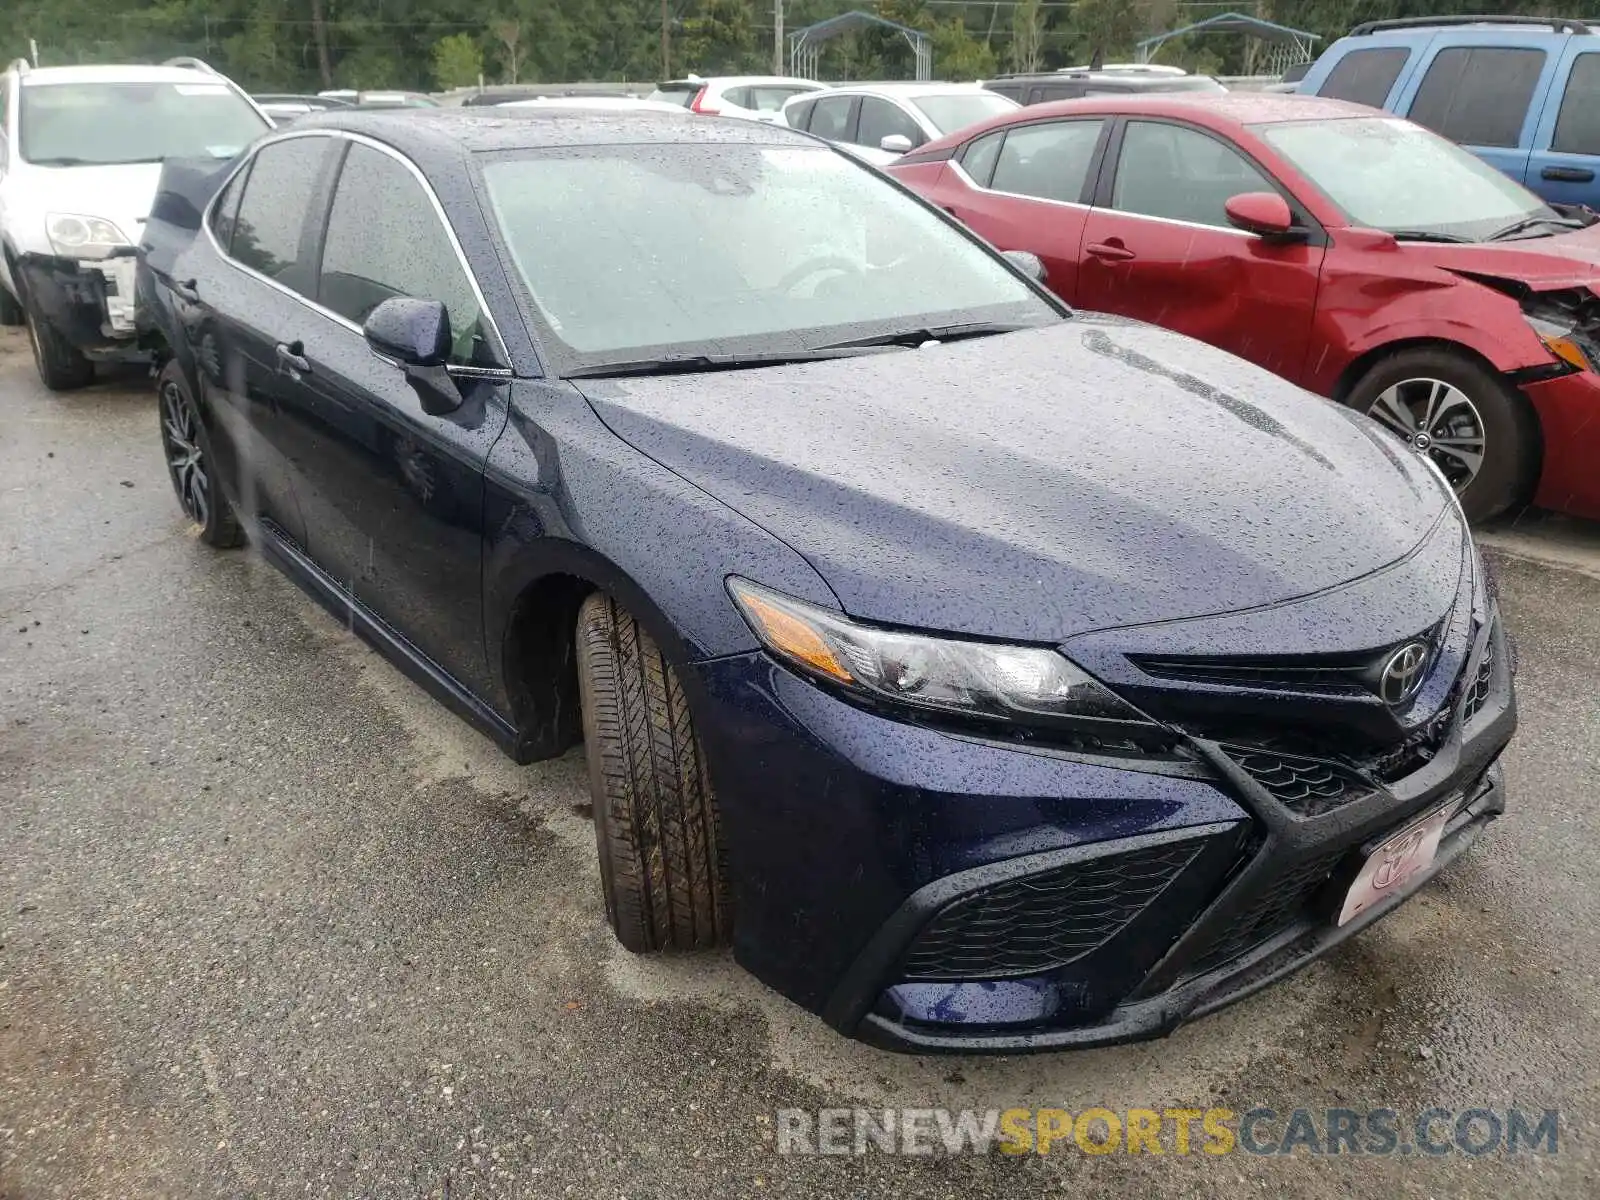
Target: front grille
1281,905
1472,703
1032,925
1307,787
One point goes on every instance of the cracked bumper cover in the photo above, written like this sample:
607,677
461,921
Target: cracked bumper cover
89,302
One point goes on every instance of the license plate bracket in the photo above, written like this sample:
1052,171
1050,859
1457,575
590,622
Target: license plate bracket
1394,865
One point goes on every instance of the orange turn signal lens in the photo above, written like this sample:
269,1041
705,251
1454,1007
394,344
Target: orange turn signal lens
1567,350
789,635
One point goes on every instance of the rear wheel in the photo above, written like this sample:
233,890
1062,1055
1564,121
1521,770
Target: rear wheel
62,366
662,863
190,462
1474,425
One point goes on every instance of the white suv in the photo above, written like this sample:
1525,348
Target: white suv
81,150
752,97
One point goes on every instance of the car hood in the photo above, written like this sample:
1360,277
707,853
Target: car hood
1040,484
120,194
1564,260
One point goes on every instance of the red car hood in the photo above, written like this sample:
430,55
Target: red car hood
1565,260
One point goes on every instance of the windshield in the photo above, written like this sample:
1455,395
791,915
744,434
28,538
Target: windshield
634,251
84,124
957,110
1389,174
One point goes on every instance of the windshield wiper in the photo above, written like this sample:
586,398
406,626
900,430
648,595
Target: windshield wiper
1424,235
931,333
1526,223
689,364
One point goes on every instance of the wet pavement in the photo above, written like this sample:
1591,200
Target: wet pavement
272,922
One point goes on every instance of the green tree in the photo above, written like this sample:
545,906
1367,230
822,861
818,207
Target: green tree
457,61
957,54
719,39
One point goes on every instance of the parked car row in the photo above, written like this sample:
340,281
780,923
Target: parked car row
990,676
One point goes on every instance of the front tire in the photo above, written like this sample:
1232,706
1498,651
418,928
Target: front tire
62,366
662,863
1474,425
190,463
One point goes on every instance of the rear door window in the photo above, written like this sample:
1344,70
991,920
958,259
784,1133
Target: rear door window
834,118
769,99
1364,76
879,119
1049,161
225,214
1478,95
1578,123
269,234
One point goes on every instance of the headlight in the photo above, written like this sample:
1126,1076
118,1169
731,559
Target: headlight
1558,326
72,236
1020,684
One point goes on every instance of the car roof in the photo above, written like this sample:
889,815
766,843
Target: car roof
907,91
415,131
130,73
737,81
1215,109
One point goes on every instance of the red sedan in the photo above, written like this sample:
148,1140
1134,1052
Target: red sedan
1351,252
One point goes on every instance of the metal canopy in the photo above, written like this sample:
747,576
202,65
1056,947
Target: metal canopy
805,45
1289,46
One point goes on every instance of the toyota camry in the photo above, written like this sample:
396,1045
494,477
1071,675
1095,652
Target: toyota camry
990,676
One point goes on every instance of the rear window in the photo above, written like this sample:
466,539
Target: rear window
1364,76
88,124
799,115
681,94
1578,124
769,99
1478,96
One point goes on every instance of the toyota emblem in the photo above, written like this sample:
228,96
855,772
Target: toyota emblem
1401,678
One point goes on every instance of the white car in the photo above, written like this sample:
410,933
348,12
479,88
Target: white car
753,97
881,121
81,150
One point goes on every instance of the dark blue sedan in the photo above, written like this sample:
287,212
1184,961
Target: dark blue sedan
991,677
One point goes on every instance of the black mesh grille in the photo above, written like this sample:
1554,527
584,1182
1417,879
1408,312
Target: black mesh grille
1032,925
1478,693
1274,911
1305,786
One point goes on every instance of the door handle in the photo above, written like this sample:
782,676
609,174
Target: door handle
1110,251
186,290
1568,174
292,359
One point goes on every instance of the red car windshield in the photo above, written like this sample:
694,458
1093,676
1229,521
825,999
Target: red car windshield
1385,173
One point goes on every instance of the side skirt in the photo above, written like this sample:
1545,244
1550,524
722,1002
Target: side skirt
387,641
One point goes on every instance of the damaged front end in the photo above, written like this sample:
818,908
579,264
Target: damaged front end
1567,321
89,302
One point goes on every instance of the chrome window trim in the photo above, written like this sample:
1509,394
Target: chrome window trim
499,344
955,164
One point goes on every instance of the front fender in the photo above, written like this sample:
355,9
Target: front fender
564,495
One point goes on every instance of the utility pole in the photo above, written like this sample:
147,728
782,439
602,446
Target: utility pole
666,46
777,38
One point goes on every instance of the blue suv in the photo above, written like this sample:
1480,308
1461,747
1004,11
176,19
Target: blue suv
1523,93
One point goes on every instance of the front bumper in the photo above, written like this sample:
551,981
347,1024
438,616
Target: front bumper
1569,418
927,891
90,302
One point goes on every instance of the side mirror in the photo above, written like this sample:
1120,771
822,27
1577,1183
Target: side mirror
1263,213
1027,262
895,143
415,336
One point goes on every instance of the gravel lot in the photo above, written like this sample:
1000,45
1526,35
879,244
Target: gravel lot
274,923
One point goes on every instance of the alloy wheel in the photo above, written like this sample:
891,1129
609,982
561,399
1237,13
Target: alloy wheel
1437,419
180,437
